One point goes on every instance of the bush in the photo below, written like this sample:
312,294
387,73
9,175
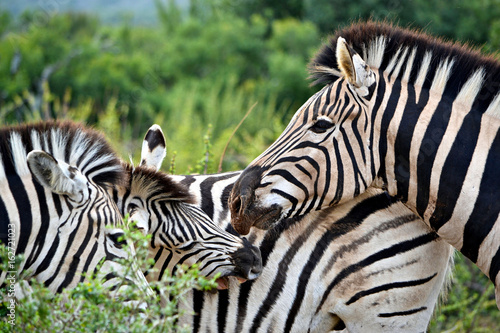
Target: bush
93,307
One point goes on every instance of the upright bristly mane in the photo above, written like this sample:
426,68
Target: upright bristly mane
73,143
146,182
380,44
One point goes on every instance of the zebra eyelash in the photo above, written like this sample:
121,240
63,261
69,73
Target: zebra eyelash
321,125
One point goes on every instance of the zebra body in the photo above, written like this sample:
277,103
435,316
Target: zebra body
54,206
369,264
401,111
181,232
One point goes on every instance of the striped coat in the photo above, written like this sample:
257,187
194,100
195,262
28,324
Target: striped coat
402,111
368,265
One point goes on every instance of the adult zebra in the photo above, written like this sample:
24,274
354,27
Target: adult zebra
369,265
181,232
54,207
400,110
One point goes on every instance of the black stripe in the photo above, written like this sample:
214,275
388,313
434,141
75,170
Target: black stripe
404,137
457,161
279,282
4,223
90,258
388,114
222,310
382,141
388,286
402,313
48,260
355,166
487,206
339,190
431,141
292,199
242,305
198,300
44,225
380,255
16,187
207,203
266,248
343,226
69,245
495,266
56,198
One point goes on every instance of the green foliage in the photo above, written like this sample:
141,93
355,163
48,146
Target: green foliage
470,306
198,71
93,307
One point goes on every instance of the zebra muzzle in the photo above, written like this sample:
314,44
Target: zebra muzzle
248,261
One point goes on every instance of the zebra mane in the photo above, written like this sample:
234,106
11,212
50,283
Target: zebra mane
71,142
382,45
146,182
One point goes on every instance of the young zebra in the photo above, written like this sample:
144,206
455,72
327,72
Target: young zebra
402,111
54,205
181,232
367,265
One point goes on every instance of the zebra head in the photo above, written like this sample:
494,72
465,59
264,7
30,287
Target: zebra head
54,199
181,232
302,170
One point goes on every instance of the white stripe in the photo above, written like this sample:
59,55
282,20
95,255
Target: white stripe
435,94
376,50
453,230
59,142
489,247
409,65
494,107
460,108
422,74
401,61
19,154
393,62
391,139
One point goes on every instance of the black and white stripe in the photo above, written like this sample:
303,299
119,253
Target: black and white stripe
400,110
368,265
54,178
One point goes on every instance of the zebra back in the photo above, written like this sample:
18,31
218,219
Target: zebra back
368,263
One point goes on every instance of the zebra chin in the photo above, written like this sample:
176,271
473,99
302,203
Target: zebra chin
247,265
260,217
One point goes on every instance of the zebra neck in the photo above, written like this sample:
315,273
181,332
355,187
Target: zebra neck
440,155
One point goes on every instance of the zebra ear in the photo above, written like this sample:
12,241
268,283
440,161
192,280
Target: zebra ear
59,177
353,67
153,148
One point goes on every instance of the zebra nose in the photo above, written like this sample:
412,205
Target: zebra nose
248,260
242,197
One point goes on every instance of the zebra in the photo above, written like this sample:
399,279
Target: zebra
384,271
181,232
55,209
402,111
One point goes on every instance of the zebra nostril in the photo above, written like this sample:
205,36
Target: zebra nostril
236,204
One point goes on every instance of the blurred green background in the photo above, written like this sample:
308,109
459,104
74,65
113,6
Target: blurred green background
196,68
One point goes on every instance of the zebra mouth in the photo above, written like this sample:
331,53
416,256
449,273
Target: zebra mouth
223,282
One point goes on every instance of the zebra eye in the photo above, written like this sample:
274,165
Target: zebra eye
117,237
132,208
321,126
